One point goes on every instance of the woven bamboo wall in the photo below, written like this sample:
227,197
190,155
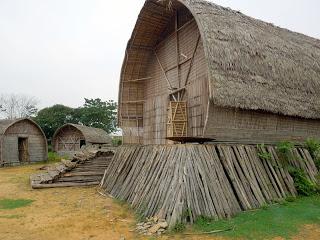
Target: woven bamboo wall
37,147
174,59
231,124
67,141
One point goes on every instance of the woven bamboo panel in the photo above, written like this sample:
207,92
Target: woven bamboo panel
177,119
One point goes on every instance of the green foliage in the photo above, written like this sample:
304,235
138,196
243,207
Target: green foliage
303,185
313,145
98,114
284,150
276,221
262,153
116,141
54,157
290,199
94,113
178,228
14,203
51,118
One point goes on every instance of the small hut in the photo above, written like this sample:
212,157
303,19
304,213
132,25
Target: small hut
21,141
70,138
195,69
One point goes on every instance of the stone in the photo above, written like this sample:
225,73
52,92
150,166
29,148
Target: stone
156,227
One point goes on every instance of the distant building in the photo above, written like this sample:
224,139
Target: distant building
21,141
70,138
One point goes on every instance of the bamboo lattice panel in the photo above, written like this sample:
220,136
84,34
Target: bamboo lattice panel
177,119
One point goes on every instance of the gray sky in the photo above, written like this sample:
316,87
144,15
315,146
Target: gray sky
61,51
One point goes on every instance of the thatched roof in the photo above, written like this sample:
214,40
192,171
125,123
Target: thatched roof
252,64
5,124
91,135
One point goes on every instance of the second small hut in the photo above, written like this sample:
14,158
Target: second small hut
70,138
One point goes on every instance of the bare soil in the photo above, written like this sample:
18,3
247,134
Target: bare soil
74,213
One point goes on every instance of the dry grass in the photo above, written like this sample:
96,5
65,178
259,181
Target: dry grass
71,213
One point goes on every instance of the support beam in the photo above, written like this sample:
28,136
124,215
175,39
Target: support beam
164,73
177,49
192,60
137,80
181,63
171,34
133,102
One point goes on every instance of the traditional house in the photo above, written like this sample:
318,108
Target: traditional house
70,138
21,141
196,69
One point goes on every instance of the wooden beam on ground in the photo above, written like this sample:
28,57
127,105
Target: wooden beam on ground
67,184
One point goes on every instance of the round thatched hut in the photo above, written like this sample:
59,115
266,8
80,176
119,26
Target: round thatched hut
21,141
70,138
196,69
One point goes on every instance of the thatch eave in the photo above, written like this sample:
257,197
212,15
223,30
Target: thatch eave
91,135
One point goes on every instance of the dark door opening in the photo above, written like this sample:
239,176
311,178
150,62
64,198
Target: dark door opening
82,143
23,149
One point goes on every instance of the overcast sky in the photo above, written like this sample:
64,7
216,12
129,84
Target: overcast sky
61,51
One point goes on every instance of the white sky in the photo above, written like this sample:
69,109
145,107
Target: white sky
61,51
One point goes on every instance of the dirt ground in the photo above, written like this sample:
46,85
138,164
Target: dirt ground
73,213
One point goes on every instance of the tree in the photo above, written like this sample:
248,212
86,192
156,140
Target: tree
51,118
97,113
94,113
18,106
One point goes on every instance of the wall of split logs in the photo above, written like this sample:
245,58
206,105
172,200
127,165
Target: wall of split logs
183,182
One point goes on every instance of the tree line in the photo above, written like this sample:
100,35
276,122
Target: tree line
93,113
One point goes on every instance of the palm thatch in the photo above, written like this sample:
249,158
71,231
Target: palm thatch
256,65
90,134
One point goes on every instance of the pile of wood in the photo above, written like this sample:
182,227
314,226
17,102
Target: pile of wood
182,182
85,169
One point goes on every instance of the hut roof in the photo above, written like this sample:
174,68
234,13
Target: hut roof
5,124
92,135
252,64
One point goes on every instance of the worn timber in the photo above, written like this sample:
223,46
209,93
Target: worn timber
86,168
182,182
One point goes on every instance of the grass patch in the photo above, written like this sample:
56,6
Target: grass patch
11,216
178,228
6,204
276,221
54,157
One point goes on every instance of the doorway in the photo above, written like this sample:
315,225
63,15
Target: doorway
82,143
23,149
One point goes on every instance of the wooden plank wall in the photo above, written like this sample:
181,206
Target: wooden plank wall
36,142
217,181
228,124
